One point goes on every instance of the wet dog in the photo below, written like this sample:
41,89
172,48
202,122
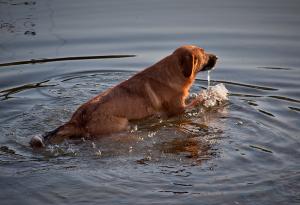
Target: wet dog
161,89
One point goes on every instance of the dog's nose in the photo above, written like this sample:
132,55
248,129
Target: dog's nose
213,57
212,60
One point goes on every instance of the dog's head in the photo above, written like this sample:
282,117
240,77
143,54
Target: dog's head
193,59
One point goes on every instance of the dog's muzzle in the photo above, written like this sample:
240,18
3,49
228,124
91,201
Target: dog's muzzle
211,62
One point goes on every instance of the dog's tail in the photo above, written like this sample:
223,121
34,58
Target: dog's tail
66,131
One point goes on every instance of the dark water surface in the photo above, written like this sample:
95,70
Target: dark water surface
244,152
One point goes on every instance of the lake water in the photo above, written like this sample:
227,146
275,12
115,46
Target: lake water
244,152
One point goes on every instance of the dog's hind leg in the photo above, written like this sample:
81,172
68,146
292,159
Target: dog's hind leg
106,125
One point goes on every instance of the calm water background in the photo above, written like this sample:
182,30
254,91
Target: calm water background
244,152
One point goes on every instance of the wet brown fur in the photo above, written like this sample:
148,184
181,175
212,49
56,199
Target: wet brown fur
160,89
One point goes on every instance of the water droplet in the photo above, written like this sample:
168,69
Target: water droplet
208,78
239,123
98,153
151,134
134,128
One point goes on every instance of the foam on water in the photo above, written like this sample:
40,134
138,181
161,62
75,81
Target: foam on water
214,95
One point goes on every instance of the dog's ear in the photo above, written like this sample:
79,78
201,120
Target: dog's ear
187,64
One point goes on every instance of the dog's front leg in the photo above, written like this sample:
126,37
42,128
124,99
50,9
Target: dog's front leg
194,102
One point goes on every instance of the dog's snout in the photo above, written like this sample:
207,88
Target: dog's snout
212,57
211,62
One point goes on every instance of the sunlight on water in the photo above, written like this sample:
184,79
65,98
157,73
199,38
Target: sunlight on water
239,147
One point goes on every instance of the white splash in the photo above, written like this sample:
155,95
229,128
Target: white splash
214,95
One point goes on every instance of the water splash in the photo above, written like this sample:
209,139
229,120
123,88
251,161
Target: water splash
214,95
208,78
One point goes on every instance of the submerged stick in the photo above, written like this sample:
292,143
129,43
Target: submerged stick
71,58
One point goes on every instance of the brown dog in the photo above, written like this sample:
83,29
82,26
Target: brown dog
158,90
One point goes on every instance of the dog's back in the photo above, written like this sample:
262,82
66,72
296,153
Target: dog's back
159,89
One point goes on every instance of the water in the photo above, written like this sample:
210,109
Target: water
213,96
243,152
208,78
